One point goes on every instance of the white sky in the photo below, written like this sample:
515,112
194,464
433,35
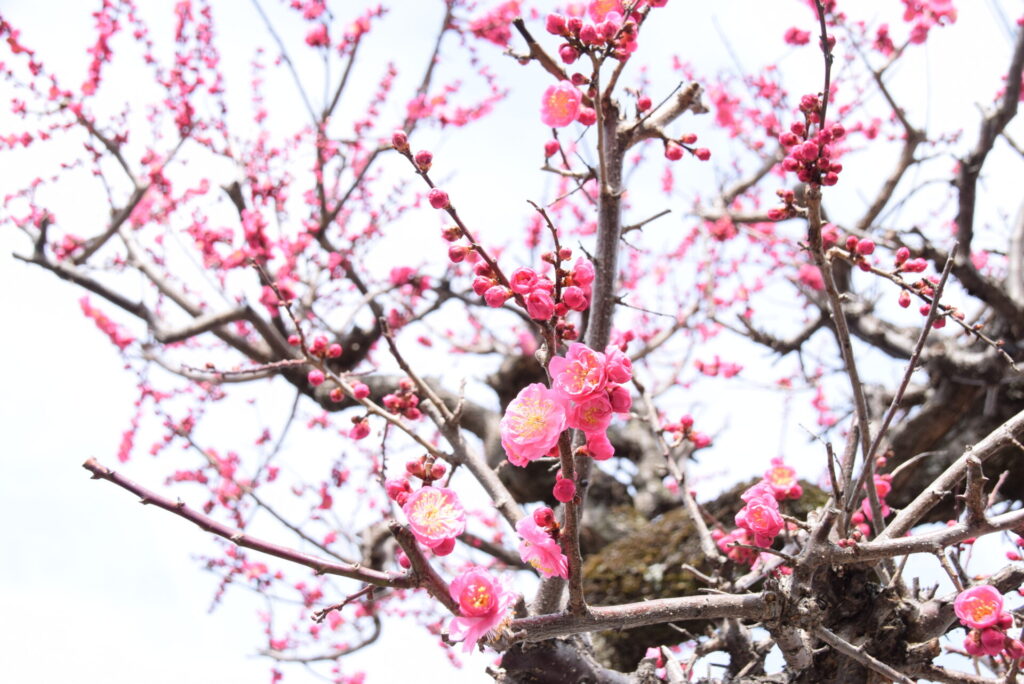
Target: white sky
93,587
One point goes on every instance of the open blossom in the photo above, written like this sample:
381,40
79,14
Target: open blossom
979,607
435,517
761,518
591,415
579,374
540,550
532,423
484,604
599,446
617,364
560,105
782,479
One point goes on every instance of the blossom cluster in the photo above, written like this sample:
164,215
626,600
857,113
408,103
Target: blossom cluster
539,546
760,521
484,606
810,156
585,392
542,297
608,30
980,609
883,485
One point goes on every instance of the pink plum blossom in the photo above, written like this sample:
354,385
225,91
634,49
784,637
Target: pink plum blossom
540,550
591,415
782,479
532,423
560,105
539,305
620,400
599,446
435,517
579,374
484,604
979,607
523,280
761,518
617,364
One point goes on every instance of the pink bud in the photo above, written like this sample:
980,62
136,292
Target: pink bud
904,300
643,103
788,139
496,296
599,446
539,305
457,253
400,141
551,148
523,280
544,516
315,377
902,254
438,198
702,153
587,116
334,351
445,547
700,440
619,398
555,24
574,298
423,160
673,151
481,284
564,490
360,430
866,247
589,35
568,54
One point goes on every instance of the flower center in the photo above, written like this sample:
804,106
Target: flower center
434,513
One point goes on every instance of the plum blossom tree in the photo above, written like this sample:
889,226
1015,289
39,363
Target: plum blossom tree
501,420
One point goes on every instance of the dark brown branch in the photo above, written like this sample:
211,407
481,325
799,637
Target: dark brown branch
1006,435
659,611
424,573
320,565
860,655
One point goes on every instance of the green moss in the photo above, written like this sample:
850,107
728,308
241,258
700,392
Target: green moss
648,564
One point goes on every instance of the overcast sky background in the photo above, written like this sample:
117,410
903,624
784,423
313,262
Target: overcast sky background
95,588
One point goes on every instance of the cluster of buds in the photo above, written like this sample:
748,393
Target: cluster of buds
905,263
398,489
543,297
980,609
809,155
426,469
608,32
545,519
458,252
321,348
684,430
422,160
788,209
674,149
360,428
883,485
404,401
